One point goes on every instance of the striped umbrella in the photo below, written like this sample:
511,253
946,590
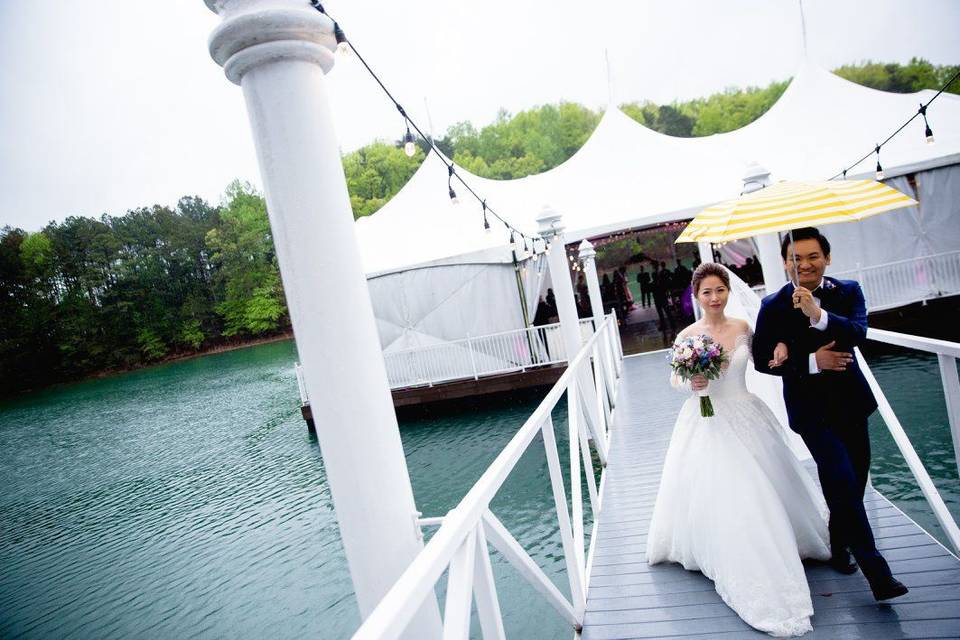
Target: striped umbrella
790,205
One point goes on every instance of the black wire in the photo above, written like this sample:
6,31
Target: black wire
451,173
921,111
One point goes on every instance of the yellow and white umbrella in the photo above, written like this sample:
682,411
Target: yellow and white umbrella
790,205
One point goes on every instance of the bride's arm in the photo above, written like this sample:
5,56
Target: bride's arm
676,381
679,383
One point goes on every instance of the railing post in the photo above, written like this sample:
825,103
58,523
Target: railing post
279,52
576,485
951,393
473,360
485,591
910,456
578,589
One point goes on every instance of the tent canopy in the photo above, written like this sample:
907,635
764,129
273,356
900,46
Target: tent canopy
627,175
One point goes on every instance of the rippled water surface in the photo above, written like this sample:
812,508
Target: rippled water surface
911,382
188,500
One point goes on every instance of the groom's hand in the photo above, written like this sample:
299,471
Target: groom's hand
829,360
803,300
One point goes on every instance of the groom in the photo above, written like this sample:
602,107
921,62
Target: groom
828,400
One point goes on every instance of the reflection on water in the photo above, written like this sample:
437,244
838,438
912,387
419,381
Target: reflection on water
189,501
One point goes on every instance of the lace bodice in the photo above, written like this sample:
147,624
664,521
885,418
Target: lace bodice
733,379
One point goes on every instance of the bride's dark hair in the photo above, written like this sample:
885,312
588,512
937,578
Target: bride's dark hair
708,269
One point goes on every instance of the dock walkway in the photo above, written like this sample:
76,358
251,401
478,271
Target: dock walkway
627,598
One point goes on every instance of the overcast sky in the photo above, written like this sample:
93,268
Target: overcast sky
108,105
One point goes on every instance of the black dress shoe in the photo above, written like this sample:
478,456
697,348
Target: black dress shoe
843,562
888,587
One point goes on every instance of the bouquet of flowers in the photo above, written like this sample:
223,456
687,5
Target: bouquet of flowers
698,355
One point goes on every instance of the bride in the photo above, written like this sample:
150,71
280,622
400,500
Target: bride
734,502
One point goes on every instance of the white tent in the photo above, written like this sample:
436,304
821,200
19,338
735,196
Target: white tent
628,176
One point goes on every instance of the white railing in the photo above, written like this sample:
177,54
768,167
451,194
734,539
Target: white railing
476,357
493,354
460,544
895,284
947,354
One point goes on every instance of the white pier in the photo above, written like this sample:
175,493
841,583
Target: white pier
615,593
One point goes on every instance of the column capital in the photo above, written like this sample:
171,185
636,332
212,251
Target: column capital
257,32
549,223
587,252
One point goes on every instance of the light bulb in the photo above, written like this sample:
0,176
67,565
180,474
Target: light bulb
880,174
453,197
929,134
409,148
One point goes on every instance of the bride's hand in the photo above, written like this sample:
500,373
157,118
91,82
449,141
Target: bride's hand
699,382
780,355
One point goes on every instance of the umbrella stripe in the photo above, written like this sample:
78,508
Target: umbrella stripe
785,222
774,194
853,206
735,208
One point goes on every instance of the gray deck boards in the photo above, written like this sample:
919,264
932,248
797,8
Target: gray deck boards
627,598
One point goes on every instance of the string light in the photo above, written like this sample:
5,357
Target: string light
345,46
928,132
486,223
409,147
453,194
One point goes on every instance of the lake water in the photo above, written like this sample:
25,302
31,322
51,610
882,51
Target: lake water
188,500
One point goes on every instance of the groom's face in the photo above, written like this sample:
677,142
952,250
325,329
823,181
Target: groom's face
811,262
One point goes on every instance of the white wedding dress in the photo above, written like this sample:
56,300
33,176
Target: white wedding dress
735,504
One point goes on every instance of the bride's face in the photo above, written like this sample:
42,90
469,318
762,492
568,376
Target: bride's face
713,294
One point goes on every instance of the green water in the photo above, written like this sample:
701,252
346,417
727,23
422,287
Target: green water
188,500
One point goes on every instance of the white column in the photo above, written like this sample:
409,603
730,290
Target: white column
706,251
588,257
279,51
551,230
755,177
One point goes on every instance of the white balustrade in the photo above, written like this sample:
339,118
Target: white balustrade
476,357
460,545
895,284
947,354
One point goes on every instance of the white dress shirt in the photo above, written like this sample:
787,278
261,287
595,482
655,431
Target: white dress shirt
819,325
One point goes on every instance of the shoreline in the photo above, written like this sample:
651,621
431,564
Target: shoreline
170,359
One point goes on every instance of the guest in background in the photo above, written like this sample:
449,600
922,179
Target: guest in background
643,277
583,293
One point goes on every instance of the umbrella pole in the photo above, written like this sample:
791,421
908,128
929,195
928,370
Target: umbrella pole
796,270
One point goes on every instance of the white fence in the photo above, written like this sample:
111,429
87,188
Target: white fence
947,354
904,282
460,545
488,355
895,284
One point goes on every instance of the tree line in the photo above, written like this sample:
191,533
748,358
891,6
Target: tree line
89,295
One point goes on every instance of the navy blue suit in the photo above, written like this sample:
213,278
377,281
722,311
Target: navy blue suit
829,410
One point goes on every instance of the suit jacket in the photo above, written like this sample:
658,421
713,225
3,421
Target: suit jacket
837,396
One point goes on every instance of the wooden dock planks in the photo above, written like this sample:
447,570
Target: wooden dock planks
627,598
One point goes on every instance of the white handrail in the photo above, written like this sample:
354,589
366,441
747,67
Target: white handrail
947,352
479,356
454,545
894,284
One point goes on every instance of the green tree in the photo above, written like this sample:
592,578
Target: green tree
251,297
